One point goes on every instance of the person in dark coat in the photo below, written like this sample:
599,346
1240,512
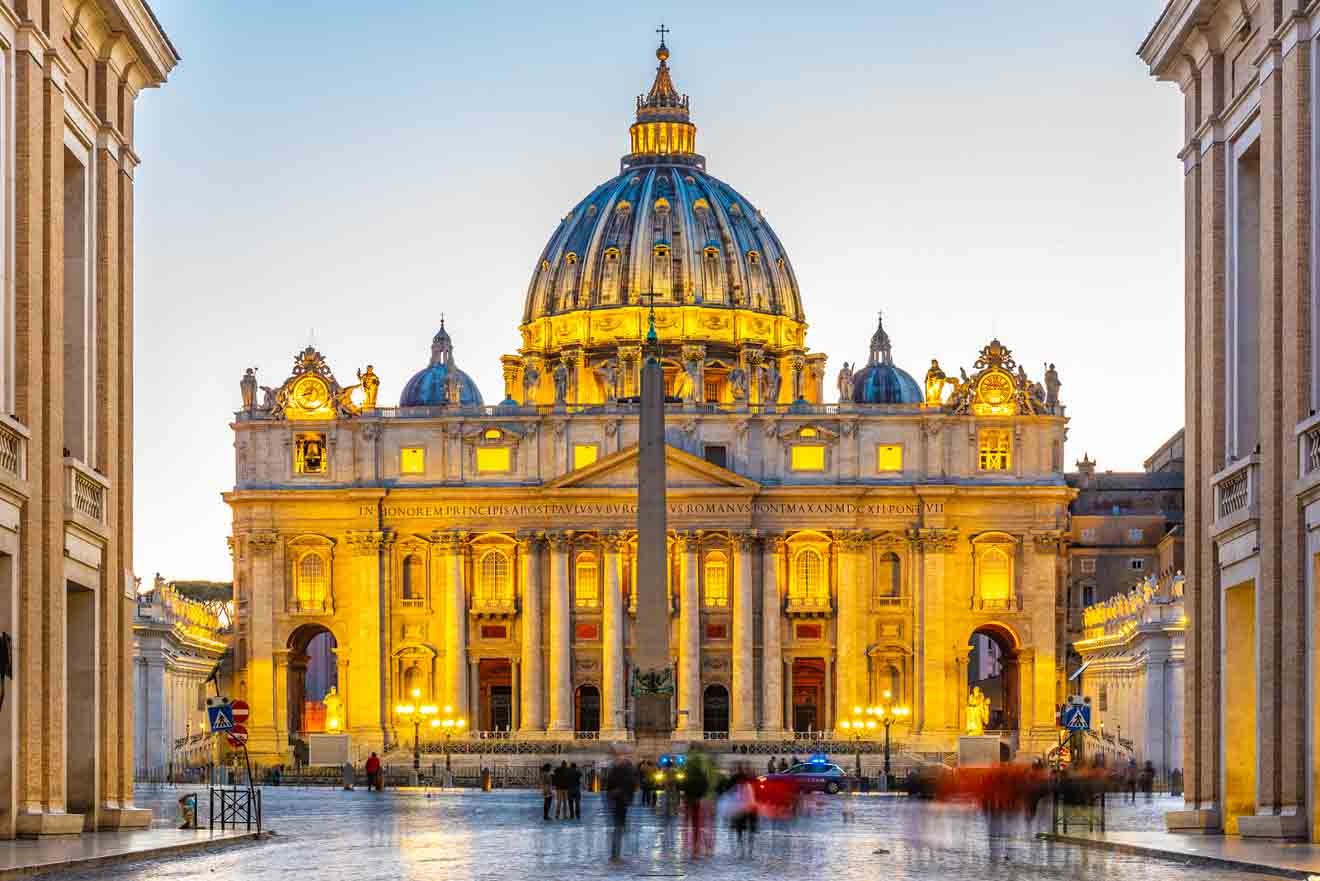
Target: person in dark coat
547,790
562,809
620,786
575,792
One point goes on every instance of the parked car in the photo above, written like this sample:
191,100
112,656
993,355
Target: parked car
813,776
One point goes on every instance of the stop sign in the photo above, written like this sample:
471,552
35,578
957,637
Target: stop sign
238,735
240,711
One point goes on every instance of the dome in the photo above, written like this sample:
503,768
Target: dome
437,384
663,226
881,381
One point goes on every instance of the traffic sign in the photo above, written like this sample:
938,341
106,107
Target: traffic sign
221,717
239,710
239,735
1077,717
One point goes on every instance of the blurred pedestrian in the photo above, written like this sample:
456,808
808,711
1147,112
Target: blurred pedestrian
373,773
620,785
547,790
1148,779
646,781
1130,780
575,792
696,786
562,809
771,767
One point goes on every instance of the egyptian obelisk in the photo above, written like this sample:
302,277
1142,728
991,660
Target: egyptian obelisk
653,680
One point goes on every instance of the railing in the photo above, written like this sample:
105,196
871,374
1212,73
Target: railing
412,602
808,605
12,450
1312,440
87,490
1233,494
586,735
714,735
1237,491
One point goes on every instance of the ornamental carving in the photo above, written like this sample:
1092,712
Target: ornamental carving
262,542
1049,542
891,539
850,541
368,542
938,541
1000,387
311,392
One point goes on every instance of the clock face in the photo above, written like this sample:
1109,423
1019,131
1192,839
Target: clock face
995,389
309,397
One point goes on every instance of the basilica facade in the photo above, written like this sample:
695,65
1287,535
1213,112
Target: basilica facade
824,556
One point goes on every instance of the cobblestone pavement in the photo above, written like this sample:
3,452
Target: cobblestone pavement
365,836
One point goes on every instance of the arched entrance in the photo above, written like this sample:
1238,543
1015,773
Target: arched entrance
587,710
992,666
715,712
313,673
808,695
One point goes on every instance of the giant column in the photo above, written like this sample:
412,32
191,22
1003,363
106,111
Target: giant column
561,649
611,655
654,704
368,597
531,685
456,679
851,641
689,637
772,662
742,708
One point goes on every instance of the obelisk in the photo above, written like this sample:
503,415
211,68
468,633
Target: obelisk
653,679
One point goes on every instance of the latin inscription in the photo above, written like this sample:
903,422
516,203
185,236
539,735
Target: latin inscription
486,510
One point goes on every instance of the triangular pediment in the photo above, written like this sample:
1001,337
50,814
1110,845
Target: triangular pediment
682,471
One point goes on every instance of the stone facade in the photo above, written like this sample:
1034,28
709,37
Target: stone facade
1133,671
72,72
1252,444
177,642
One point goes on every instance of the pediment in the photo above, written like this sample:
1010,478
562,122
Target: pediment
682,471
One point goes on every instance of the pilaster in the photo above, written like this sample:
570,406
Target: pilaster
687,546
742,718
611,654
531,684
561,648
772,651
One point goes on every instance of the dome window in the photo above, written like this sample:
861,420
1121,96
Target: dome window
570,258
662,205
701,205
623,207
735,209
712,252
754,258
611,254
545,264
661,249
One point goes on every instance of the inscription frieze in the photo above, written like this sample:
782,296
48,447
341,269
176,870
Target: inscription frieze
486,510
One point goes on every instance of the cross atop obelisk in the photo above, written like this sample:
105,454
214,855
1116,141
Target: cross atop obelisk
653,679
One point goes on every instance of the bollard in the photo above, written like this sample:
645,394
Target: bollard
486,783
595,780
188,811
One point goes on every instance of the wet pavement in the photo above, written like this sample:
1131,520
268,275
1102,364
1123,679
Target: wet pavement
494,836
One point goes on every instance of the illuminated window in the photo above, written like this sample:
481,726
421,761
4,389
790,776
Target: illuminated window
586,593
493,459
494,584
888,577
584,455
995,449
717,579
996,575
414,579
493,434
312,586
889,457
808,432
309,453
412,460
805,458
808,577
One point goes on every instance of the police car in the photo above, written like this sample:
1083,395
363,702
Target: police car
817,774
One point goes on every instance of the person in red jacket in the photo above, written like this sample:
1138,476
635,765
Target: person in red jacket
373,773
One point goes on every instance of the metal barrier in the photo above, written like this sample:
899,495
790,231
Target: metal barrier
237,806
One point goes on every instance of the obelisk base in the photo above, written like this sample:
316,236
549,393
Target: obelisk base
653,724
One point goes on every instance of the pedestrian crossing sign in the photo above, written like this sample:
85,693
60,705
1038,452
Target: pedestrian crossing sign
1077,717
221,717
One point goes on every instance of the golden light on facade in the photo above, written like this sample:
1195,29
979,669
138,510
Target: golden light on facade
405,709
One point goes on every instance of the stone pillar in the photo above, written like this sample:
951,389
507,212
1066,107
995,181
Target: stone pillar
561,647
742,719
612,723
266,591
280,710
934,706
366,602
531,688
689,636
849,625
772,661
455,685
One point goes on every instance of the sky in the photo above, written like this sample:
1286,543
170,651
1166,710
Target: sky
342,174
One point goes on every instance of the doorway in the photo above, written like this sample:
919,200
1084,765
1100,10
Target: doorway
992,666
715,712
587,710
808,695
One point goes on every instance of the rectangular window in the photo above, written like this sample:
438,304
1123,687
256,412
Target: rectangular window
1135,535
584,455
994,447
1088,536
1088,565
412,460
586,632
809,631
717,631
1137,564
805,458
493,459
309,453
889,457
494,631
717,454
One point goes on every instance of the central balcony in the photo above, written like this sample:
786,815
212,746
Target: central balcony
808,606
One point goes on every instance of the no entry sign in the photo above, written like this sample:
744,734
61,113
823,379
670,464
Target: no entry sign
238,736
239,710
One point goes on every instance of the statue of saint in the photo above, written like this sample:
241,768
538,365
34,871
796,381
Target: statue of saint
770,383
334,710
370,386
978,712
738,384
531,380
561,383
248,386
269,397
1052,385
935,382
684,387
845,383
607,374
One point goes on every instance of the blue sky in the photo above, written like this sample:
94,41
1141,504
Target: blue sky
973,169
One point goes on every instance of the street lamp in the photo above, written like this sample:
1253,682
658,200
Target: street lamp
449,726
416,714
866,720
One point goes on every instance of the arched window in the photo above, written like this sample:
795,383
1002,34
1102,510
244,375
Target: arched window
587,589
414,579
413,680
313,583
888,578
808,576
493,582
717,579
996,575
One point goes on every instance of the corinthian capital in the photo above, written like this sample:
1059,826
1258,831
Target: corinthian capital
262,542
368,542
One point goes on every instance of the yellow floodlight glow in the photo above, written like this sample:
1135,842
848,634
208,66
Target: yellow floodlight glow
435,723
428,710
416,692
462,723
448,709
405,709
870,723
845,724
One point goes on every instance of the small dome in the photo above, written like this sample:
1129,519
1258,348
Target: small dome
430,386
881,381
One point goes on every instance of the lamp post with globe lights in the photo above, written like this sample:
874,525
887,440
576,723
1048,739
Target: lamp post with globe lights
416,714
449,726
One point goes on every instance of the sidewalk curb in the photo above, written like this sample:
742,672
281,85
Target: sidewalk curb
187,847
1185,859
